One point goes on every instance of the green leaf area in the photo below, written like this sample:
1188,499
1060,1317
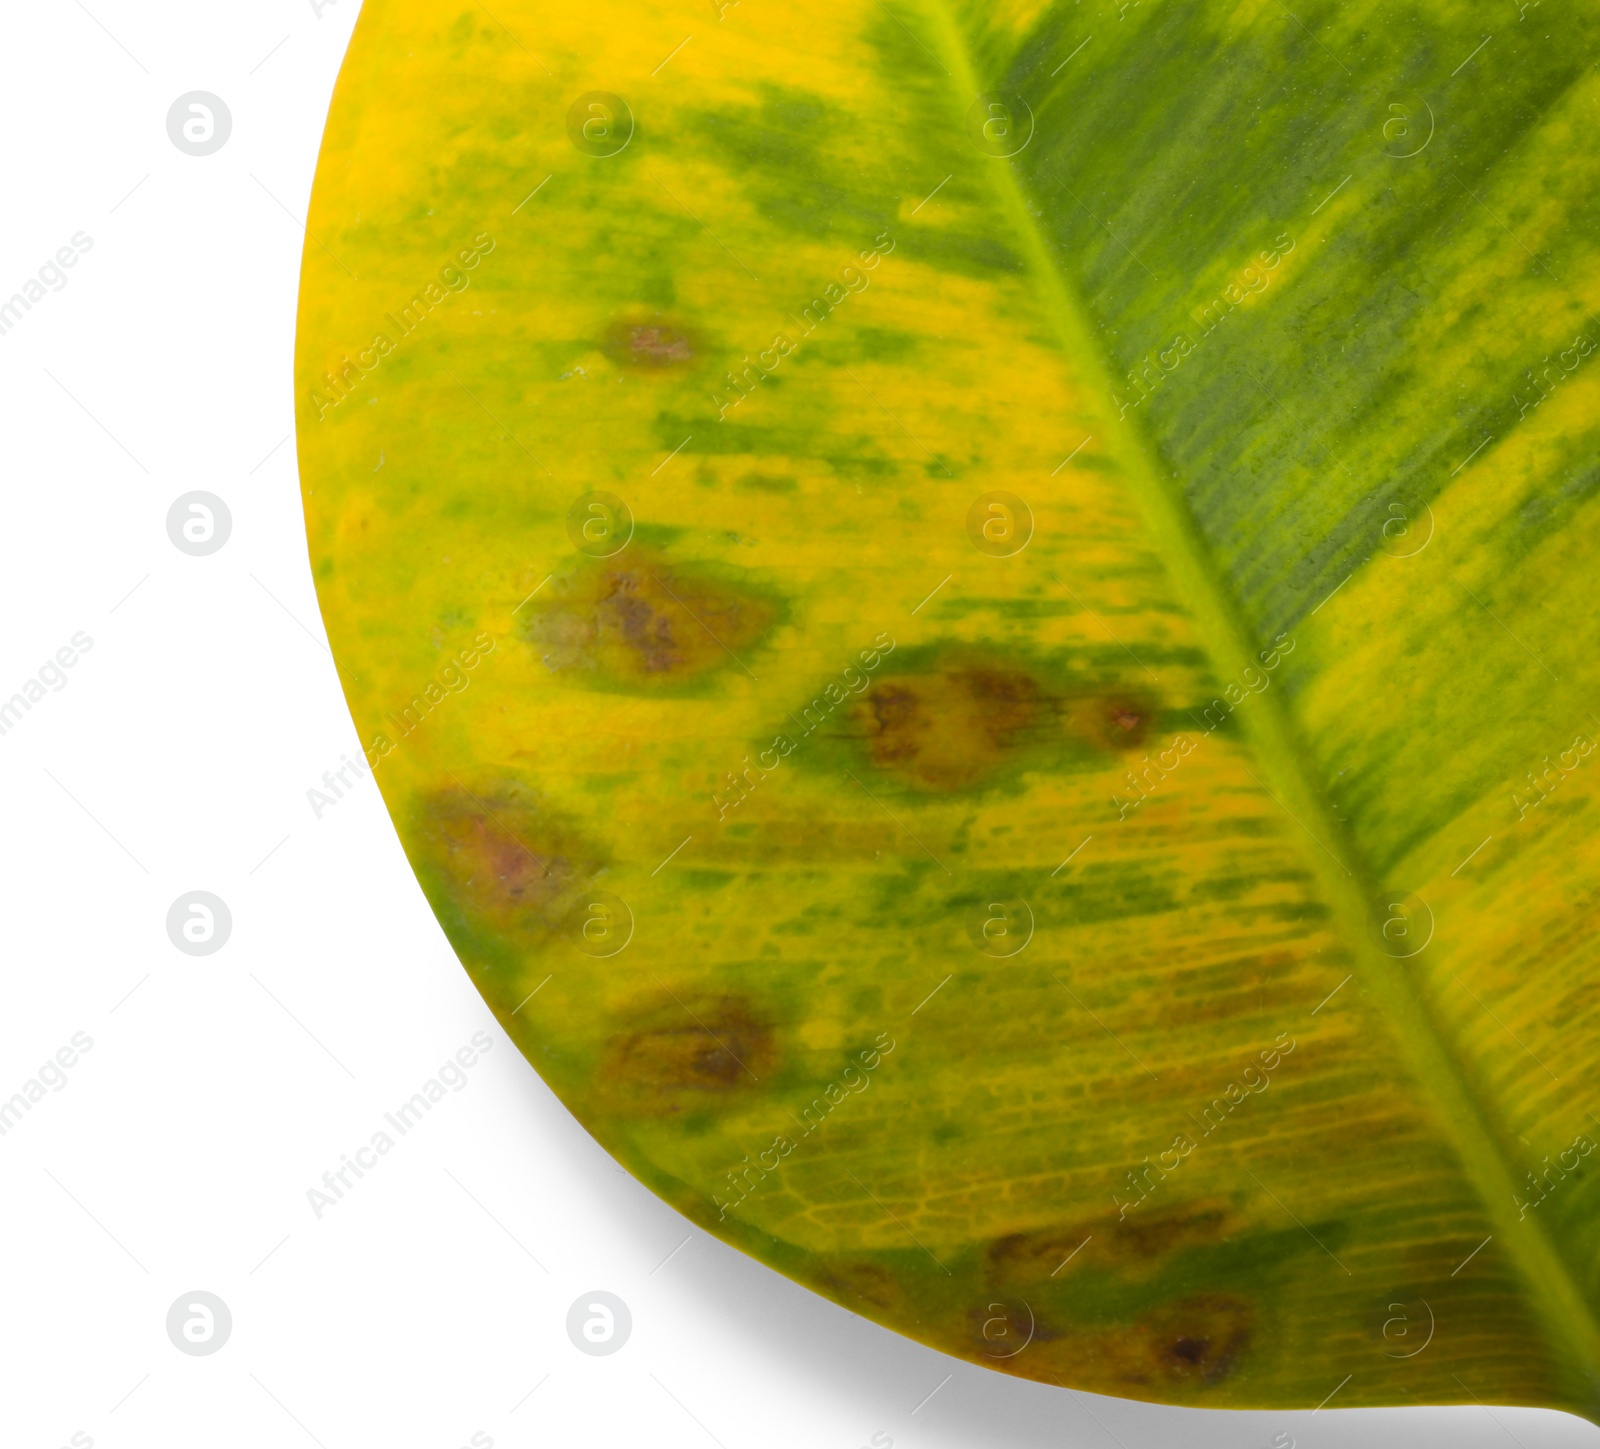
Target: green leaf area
977,620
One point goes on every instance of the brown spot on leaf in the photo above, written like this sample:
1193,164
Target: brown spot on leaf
951,729
1199,1339
1004,1329
652,342
1115,722
969,716
1133,1245
853,1284
637,622
1184,1347
505,860
683,1052
1191,1342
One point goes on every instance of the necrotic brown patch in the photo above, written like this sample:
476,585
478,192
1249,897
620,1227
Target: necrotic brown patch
652,342
1116,722
1198,1339
1184,1347
1133,1245
506,862
1003,1330
638,622
1158,1233
969,717
1188,1343
686,1051
952,729
853,1283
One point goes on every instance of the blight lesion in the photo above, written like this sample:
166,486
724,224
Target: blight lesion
652,342
640,623
967,718
501,865
684,1052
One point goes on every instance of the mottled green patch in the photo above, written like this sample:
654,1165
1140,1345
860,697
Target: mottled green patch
1221,492
705,880
768,483
791,151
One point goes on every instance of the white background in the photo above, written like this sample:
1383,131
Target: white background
430,1303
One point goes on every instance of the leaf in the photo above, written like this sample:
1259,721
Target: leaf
977,622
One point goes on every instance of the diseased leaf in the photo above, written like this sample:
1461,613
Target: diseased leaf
976,619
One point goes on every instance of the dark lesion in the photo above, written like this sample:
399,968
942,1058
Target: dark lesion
1199,1339
683,1051
858,1283
1187,1341
507,864
1187,1346
639,622
1121,722
950,729
1132,1246
967,719
652,342
1003,1330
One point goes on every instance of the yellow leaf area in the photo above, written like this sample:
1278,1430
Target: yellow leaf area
823,741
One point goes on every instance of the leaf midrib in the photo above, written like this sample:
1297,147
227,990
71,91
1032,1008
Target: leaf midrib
1478,1138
